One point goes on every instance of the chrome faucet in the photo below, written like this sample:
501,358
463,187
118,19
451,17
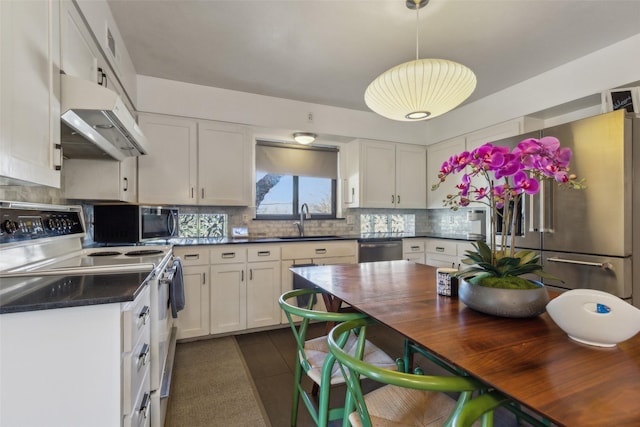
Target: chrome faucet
303,216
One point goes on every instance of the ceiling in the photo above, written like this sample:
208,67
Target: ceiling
328,51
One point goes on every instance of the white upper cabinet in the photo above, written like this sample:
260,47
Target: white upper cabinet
386,175
194,162
224,164
167,174
441,151
100,179
30,88
79,54
436,155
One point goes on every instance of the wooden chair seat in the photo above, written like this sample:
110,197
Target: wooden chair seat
317,351
392,406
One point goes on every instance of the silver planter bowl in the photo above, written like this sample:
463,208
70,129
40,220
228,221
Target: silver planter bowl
504,302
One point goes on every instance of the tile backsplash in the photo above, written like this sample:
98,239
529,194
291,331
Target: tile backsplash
214,221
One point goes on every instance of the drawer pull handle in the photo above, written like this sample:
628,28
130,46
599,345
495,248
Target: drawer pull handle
415,248
264,253
321,251
143,357
144,314
229,255
144,406
439,249
192,256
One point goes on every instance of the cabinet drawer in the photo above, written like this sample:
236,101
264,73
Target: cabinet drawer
445,247
135,320
318,250
228,254
412,246
141,409
263,253
193,255
135,368
438,260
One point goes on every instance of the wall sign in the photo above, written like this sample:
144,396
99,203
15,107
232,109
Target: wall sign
623,98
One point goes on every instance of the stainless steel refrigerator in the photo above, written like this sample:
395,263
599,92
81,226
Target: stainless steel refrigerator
585,237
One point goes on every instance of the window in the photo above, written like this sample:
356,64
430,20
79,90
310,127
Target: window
288,176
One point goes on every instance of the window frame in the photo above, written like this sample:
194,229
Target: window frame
295,204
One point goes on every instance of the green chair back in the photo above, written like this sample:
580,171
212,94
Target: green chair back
353,368
299,319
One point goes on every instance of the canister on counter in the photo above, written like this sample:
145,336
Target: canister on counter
446,283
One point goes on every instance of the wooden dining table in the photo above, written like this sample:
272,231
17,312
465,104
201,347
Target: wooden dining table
532,361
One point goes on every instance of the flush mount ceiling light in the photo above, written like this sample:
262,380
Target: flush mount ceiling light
420,89
305,138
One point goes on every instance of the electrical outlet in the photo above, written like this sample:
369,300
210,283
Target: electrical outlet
349,219
310,117
245,218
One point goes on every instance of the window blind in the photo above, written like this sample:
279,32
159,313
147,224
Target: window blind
286,159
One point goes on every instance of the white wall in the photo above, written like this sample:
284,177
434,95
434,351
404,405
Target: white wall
614,66
184,99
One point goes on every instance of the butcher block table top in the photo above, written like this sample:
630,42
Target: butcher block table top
530,360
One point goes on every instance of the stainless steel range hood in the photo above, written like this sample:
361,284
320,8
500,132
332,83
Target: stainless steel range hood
96,123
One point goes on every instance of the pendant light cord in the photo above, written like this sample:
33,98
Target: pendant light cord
417,30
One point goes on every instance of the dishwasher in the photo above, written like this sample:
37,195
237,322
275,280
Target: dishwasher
384,250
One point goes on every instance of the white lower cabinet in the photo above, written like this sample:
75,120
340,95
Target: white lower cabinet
228,298
77,366
317,253
229,288
413,250
446,253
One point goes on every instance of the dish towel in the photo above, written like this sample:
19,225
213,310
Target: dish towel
176,291
300,283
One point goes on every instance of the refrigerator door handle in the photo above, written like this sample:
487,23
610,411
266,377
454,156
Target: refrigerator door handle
602,265
534,219
546,207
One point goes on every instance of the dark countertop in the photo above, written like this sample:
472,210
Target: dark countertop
30,293
365,237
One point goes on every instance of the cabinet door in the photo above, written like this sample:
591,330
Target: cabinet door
117,180
378,169
436,155
228,298
263,291
30,88
193,321
168,173
79,55
411,176
224,165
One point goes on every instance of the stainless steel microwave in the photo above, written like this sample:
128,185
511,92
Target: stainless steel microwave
133,224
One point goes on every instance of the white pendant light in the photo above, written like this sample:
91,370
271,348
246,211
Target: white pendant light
305,138
420,89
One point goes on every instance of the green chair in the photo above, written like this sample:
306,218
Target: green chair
313,356
405,399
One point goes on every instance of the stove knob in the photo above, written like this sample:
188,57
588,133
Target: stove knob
9,226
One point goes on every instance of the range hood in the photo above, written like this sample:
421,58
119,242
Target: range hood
96,123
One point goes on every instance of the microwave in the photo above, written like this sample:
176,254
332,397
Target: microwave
133,224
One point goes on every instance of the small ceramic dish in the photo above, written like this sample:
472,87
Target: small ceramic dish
594,317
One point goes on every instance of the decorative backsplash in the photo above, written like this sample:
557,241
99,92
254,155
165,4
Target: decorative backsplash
208,221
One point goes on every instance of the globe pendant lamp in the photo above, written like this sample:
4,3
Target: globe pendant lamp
420,89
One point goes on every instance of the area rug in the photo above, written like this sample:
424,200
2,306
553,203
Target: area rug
211,387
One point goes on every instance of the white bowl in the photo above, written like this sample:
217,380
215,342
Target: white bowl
594,317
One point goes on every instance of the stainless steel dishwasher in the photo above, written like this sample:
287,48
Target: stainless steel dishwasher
383,250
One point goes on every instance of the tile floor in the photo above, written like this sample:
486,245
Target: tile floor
270,358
